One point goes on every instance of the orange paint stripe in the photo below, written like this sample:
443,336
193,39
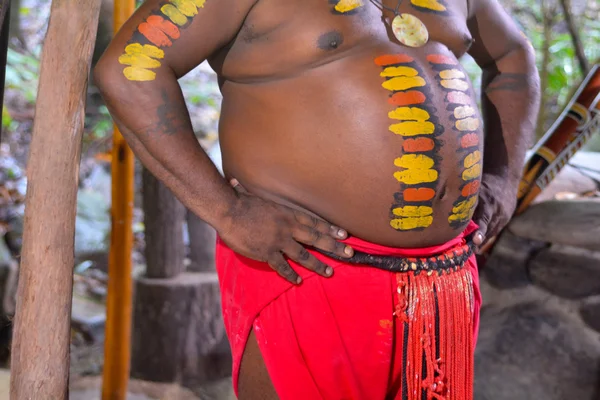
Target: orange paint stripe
458,98
417,145
166,26
390,59
407,98
440,59
154,35
469,140
470,189
418,194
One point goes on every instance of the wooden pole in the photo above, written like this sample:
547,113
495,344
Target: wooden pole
117,346
40,349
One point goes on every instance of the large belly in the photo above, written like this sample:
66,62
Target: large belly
387,147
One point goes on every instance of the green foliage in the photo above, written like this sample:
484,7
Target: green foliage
22,71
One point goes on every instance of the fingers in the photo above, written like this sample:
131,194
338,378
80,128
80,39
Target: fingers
237,186
320,225
299,254
278,263
322,241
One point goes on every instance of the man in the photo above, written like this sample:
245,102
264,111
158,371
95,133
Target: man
353,142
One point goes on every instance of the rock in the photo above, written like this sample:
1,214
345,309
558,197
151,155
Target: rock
574,223
178,333
89,318
530,351
569,180
506,267
92,224
590,312
590,160
567,271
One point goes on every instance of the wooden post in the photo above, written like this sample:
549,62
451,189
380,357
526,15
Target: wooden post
40,350
202,244
117,346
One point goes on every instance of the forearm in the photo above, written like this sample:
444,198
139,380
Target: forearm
155,123
510,103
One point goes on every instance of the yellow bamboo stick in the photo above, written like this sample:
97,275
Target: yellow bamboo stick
117,347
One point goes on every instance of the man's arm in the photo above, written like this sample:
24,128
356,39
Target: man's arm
137,77
510,103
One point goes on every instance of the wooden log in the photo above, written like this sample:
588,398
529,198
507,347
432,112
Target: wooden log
202,244
40,350
163,220
179,334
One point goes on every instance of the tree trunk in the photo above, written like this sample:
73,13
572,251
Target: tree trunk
202,244
40,351
163,219
581,58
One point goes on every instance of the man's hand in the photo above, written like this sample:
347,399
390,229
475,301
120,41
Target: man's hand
266,231
497,202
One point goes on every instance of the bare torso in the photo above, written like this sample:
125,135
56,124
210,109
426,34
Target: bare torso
306,118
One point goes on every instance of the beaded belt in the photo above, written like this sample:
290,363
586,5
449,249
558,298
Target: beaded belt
444,262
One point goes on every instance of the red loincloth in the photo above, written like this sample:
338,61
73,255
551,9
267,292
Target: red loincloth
364,333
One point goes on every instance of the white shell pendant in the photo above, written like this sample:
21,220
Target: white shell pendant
410,30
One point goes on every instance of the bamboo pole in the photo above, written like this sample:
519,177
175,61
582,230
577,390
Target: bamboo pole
117,346
40,349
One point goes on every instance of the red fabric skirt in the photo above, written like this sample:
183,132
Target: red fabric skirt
363,333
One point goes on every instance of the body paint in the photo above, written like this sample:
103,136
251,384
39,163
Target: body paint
345,6
413,119
467,123
429,5
159,30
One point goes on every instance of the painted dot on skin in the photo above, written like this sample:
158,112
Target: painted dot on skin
463,112
418,194
452,74
458,98
399,71
469,140
416,176
345,6
392,59
414,161
421,144
330,40
413,211
407,98
186,7
174,14
429,4
413,128
403,83
139,60
441,59
472,159
467,124
470,188
147,49
464,205
471,173
455,84
404,224
409,114
139,74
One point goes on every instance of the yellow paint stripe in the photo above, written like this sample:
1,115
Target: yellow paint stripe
174,14
139,60
345,6
413,128
147,50
452,74
466,216
399,71
467,124
409,114
464,205
471,173
199,3
403,83
405,224
414,161
472,159
455,84
413,211
461,112
186,7
139,74
430,4
415,176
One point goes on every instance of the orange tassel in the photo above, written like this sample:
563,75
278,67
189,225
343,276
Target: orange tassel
435,309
